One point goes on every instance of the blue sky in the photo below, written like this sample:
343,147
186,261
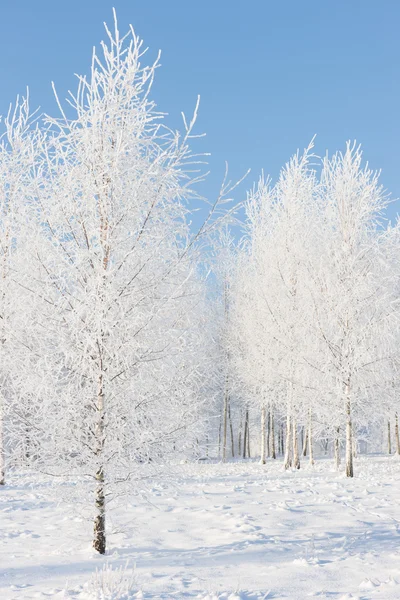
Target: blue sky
271,74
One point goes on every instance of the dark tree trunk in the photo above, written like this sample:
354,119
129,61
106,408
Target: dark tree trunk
99,540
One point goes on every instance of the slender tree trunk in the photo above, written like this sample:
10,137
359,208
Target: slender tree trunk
245,434
279,440
248,433
99,540
396,433
389,439
272,427
226,392
337,448
282,449
296,457
301,437
288,458
289,424
310,438
225,421
304,450
99,529
231,430
349,441
263,422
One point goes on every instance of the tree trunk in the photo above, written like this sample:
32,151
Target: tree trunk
263,445
99,529
268,445
310,438
304,451
245,434
279,440
99,541
231,430
301,445
337,449
225,421
248,434
282,441
296,457
349,441
389,439
288,458
272,428
396,433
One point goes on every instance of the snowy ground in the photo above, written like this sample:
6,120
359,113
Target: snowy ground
239,530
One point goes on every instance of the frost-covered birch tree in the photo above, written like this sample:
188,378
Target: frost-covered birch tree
350,300
271,298
120,321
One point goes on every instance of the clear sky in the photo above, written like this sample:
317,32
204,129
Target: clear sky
271,73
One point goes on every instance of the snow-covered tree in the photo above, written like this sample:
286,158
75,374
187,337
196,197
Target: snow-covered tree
350,299
120,321
271,295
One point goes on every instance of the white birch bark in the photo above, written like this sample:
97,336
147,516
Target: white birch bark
263,432
225,421
337,448
349,441
231,430
304,450
310,438
99,529
272,429
245,434
296,457
288,457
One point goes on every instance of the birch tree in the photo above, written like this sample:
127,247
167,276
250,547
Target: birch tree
271,296
118,279
352,304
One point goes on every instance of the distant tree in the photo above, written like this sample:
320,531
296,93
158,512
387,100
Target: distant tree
271,297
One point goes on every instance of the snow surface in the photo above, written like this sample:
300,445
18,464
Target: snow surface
237,531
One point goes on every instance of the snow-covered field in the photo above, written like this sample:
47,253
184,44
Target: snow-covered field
239,530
